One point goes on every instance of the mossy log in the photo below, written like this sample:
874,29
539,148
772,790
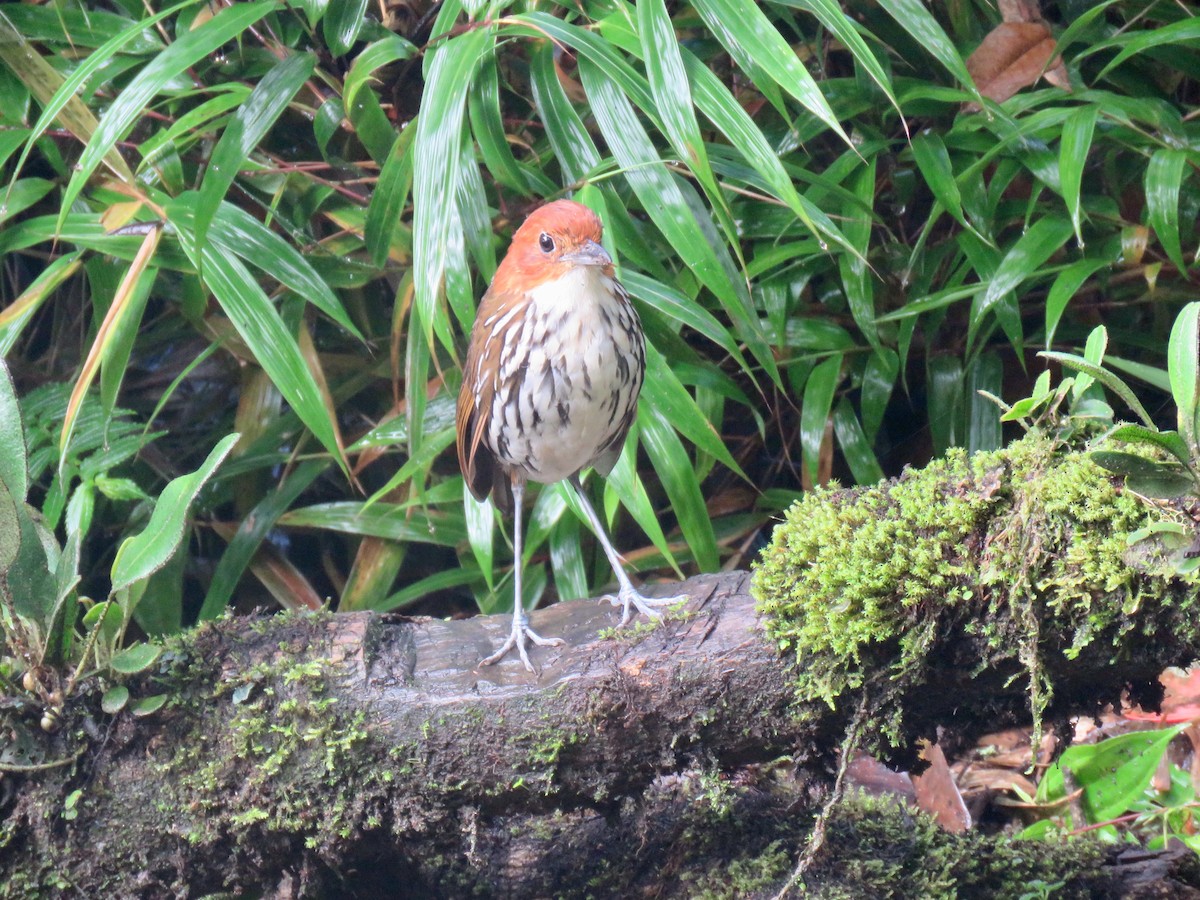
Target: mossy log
367,755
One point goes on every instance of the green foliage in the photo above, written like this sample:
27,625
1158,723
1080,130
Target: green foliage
877,848
1001,555
276,220
1110,788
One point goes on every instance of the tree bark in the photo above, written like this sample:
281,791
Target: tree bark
366,755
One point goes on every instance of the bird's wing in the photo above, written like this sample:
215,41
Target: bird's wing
471,415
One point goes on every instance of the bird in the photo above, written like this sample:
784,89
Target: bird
550,386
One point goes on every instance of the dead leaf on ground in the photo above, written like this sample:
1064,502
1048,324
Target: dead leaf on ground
1013,56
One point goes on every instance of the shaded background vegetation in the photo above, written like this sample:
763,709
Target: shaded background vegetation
276,219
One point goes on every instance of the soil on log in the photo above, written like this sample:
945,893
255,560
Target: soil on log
367,755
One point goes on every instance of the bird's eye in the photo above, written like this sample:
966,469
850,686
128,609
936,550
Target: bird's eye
546,243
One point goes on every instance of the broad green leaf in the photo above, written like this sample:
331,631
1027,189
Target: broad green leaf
819,391
673,100
1066,284
674,208
678,478
384,520
130,104
835,19
566,559
1106,378
762,52
855,447
664,397
262,328
1073,150
487,126
1183,367
1185,31
141,555
342,22
253,120
13,464
925,30
430,584
481,528
946,386
114,699
1044,238
240,234
856,274
251,533
624,483
137,658
986,373
568,137
437,149
58,95
389,197
932,158
878,382
1167,440
10,528
1164,176
1111,775
148,706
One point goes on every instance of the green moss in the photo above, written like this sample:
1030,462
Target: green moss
1015,553
876,847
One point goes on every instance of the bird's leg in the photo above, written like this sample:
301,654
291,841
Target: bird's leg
627,596
520,624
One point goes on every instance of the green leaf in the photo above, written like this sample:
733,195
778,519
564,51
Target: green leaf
137,658
1183,367
481,527
664,397
130,104
114,699
10,528
855,447
249,125
1073,150
1186,31
1024,258
856,274
148,706
141,555
814,412
1167,440
674,208
437,151
13,465
1164,175
262,328
925,30
1106,378
1113,774
1066,285
384,520
757,46
679,480
932,158
251,533
341,24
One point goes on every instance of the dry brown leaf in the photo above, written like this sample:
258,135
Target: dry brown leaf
938,795
1013,56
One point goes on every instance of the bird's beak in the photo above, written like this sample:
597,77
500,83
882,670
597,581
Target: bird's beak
589,254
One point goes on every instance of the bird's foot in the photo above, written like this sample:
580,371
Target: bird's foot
629,599
521,632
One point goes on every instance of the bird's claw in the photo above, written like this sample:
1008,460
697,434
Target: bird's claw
629,599
521,632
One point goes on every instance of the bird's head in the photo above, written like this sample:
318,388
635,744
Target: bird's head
550,243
